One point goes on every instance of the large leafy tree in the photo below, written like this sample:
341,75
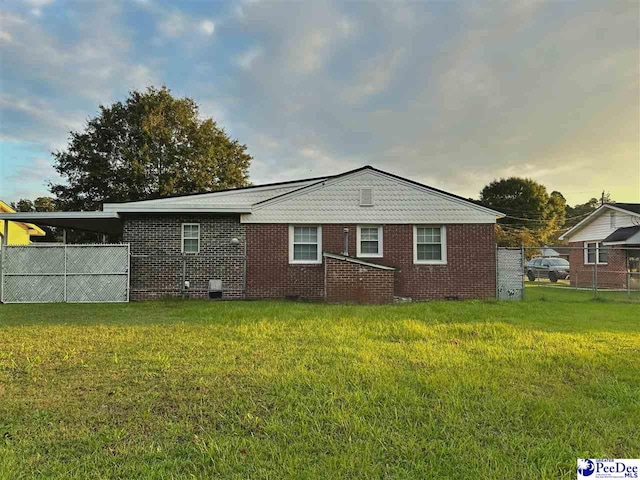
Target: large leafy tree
152,144
533,216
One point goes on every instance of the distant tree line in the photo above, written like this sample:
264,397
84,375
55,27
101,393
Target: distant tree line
533,216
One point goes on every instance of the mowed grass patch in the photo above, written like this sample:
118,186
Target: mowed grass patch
292,390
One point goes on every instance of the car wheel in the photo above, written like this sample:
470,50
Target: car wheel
531,276
553,277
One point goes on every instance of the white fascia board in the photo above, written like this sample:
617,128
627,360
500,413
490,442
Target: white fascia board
321,183
207,209
246,218
35,216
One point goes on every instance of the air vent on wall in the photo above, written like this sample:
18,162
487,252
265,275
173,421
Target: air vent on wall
366,197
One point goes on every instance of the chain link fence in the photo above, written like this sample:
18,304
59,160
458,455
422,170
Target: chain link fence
40,273
592,271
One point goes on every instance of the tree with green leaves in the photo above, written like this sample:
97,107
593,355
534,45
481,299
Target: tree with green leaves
152,144
533,216
40,204
23,205
44,204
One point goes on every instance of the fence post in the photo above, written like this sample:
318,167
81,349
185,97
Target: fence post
595,277
5,242
65,270
522,269
497,273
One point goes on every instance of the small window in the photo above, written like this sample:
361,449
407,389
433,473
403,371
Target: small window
593,251
305,244
366,197
429,244
612,219
369,241
190,237
603,253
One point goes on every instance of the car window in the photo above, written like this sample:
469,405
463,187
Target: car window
536,262
545,263
560,262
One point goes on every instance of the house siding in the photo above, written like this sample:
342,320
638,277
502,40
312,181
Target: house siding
157,261
613,274
395,201
470,271
600,226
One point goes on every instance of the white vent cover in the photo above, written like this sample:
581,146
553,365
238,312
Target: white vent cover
366,197
215,285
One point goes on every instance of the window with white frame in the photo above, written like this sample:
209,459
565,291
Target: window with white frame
429,244
369,241
593,251
305,244
190,237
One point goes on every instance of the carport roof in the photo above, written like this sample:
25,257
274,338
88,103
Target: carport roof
101,222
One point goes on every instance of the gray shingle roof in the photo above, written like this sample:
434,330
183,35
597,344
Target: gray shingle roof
621,234
632,207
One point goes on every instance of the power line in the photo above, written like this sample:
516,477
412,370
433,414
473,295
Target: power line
539,220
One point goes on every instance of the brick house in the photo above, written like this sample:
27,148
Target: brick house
362,236
605,247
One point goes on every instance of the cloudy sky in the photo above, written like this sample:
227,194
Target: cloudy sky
453,94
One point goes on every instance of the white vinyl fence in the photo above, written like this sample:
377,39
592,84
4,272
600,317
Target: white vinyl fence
64,273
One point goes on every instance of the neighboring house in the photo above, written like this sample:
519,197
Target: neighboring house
608,241
364,235
19,233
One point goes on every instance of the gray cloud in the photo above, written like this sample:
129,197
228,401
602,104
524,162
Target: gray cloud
453,94
546,90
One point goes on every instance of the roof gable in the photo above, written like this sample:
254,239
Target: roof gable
629,209
395,200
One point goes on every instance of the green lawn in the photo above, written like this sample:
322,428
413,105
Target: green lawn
293,390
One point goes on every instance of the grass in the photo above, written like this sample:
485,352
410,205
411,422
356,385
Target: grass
292,390
564,292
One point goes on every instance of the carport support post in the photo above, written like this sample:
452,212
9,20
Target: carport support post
64,236
3,248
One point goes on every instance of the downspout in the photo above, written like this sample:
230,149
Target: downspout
184,276
345,249
244,267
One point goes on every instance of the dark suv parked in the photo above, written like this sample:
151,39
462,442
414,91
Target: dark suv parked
552,268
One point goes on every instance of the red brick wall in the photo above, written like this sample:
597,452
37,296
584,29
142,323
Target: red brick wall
351,282
611,275
159,269
469,272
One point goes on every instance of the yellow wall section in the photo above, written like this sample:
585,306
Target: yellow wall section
19,233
